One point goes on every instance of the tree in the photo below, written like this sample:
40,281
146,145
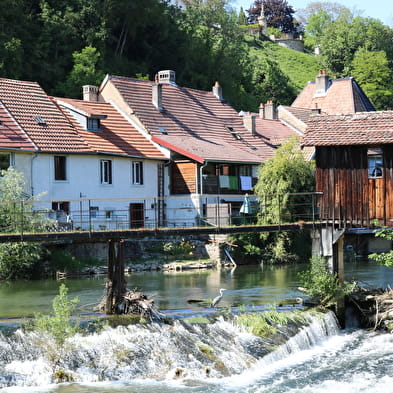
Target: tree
86,71
270,83
339,34
277,13
16,215
371,69
385,258
286,172
332,10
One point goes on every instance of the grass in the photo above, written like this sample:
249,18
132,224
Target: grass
299,67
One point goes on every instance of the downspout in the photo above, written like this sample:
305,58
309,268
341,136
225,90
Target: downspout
31,173
200,176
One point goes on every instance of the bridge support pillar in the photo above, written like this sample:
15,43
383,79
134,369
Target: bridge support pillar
329,243
116,283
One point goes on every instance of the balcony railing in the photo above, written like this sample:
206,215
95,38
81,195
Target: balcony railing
170,212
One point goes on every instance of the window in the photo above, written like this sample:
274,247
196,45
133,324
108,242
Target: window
60,167
5,161
234,133
137,172
62,209
94,211
375,163
93,124
106,171
245,170
109,214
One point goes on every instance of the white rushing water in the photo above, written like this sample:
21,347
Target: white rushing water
212,358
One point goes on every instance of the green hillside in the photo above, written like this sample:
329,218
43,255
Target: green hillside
298,67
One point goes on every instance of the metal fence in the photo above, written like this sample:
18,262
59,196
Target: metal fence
166,212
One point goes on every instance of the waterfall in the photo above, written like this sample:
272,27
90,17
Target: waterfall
179,351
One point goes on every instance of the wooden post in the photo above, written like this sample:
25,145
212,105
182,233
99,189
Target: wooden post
338,256
109,280
116,283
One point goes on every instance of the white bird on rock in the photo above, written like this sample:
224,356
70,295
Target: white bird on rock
217,299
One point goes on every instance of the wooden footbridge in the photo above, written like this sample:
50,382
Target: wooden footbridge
23,222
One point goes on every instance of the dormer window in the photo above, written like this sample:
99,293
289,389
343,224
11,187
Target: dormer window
234,133
93,124
40,120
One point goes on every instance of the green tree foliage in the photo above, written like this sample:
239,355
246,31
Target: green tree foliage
385,258
59,325
323,286
372,71
278,14
86,71
287,172
17,260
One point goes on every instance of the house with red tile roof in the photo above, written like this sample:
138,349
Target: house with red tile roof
324,96
354,165
213,150
73,149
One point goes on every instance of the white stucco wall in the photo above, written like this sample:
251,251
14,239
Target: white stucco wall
83,178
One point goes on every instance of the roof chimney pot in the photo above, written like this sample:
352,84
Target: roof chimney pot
90,93
157,95
217,91
261,110
321,83
249,122
167,76
270,111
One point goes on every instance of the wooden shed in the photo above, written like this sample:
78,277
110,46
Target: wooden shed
354,166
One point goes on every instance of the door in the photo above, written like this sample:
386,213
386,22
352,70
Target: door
137,215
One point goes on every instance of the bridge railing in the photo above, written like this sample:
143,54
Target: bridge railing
167,212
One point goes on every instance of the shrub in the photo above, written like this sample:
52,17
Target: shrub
59,324
321,285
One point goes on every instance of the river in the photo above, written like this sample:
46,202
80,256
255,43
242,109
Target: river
320,359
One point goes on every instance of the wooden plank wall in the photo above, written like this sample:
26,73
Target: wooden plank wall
183,179
388,173
342,176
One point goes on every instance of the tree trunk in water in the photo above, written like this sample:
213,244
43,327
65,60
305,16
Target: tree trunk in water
116,285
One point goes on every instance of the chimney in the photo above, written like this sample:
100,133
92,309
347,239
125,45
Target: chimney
321,83
167,76
157,95
316,110
217,91
90,93
249,122
261,111
270,111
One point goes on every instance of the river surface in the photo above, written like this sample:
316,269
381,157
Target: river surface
254,285
146,359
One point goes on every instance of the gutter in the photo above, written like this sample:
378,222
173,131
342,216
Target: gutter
201,176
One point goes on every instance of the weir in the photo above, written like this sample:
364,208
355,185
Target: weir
178,351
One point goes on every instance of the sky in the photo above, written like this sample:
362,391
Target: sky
378,9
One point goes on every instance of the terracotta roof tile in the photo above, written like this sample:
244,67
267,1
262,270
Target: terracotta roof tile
11,135
197,122
28,104
343,96
117,135
363,128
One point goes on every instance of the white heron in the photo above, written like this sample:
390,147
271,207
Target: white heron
217,299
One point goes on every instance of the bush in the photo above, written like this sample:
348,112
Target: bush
18,259
321,285
59,324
